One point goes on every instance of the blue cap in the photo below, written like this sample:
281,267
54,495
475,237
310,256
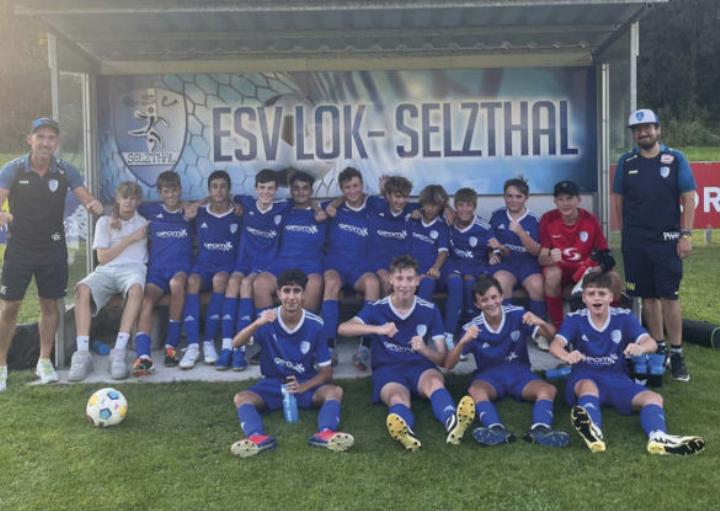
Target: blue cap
643,116
42,122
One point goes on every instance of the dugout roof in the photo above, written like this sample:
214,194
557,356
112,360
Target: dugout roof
134,36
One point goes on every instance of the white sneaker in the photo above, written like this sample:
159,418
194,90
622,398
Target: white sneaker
46,371
210,354
578,287
191,355
542,343
118,364
3,378
81,365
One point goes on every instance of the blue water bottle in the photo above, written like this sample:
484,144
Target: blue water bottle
100,347
559,373
290,407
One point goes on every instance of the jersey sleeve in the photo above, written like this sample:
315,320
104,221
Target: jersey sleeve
443,241
246,201
145,210
569,330
437,328
367,314
102,233
73,176
686,180
376,204
322,352
600,242
633,330
8,174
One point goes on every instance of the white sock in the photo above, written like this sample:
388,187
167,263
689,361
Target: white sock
83,342
227,343
122,340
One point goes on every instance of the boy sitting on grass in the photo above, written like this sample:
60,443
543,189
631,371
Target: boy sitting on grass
602,336
292,343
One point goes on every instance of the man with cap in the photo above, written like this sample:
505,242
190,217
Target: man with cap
35,185
571,243
652,183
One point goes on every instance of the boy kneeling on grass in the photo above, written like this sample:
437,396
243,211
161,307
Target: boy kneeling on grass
601,337
292,342
497,339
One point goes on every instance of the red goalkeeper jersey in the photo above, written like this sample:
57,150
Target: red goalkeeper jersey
576,241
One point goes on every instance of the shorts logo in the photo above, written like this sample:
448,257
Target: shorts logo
421,330
667,159
584,236
515,335
277,219
53,184
304,347
664,172
616,336
434,234
473,241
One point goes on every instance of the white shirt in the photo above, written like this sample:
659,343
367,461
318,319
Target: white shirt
106,237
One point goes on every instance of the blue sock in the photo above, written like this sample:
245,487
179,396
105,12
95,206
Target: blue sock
173,333
212,315
592,405
404,412
229,313
454,303
142,344
329,415
652,418
426,288
468,297
250,420
190,318
486,413
543,413
246,311
442,405
330,312
538,308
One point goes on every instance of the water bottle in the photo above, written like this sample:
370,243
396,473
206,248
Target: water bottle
640,369
656,369
559,373
100,347
290,407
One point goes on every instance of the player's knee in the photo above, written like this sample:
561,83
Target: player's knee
82,293
241,398
220,281
177,283
547,392
372,287
246,287
10,309
135,292
194,283
334,393
653,398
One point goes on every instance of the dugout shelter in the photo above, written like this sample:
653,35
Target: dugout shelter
461,93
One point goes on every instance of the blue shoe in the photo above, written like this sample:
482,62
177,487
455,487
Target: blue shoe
239,363
543,435
494,435
252,445
224,360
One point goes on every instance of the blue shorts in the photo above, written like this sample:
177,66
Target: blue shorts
206,275
461,267
520,270
406,375
349,274
616,390
507,379
161,278
269,391
653,269
308,267
246,265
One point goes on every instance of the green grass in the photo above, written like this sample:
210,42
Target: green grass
694,153
172,452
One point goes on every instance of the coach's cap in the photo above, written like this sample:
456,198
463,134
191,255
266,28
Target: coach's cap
566,188
643,116
45,122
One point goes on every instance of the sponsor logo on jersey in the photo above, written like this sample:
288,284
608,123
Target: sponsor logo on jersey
571,254
261,234
601,361
398,235
182,233
422,237
584,236
616,336
667,159
53,184
219,247
396,348
24,182
360,231
664,172
632,172
298,368
307,229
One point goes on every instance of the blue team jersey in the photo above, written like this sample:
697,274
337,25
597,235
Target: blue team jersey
651,189
423,320
293,352
469,246
348,232
500,223
427,241
261,232
302,237
389,234
508,343
170,235
217,239
603,347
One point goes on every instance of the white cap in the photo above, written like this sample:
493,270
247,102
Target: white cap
643,116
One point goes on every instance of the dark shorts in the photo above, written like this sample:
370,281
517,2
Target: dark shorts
507,379
308,267
349,274
270,392
520,271
51,274
161,278
652,269
206,275
616,389
462,268
406,375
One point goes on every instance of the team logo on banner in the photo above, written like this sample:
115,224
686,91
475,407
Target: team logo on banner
150,126
664,171
53,185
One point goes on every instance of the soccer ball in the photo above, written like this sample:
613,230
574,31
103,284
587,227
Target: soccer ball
106,407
